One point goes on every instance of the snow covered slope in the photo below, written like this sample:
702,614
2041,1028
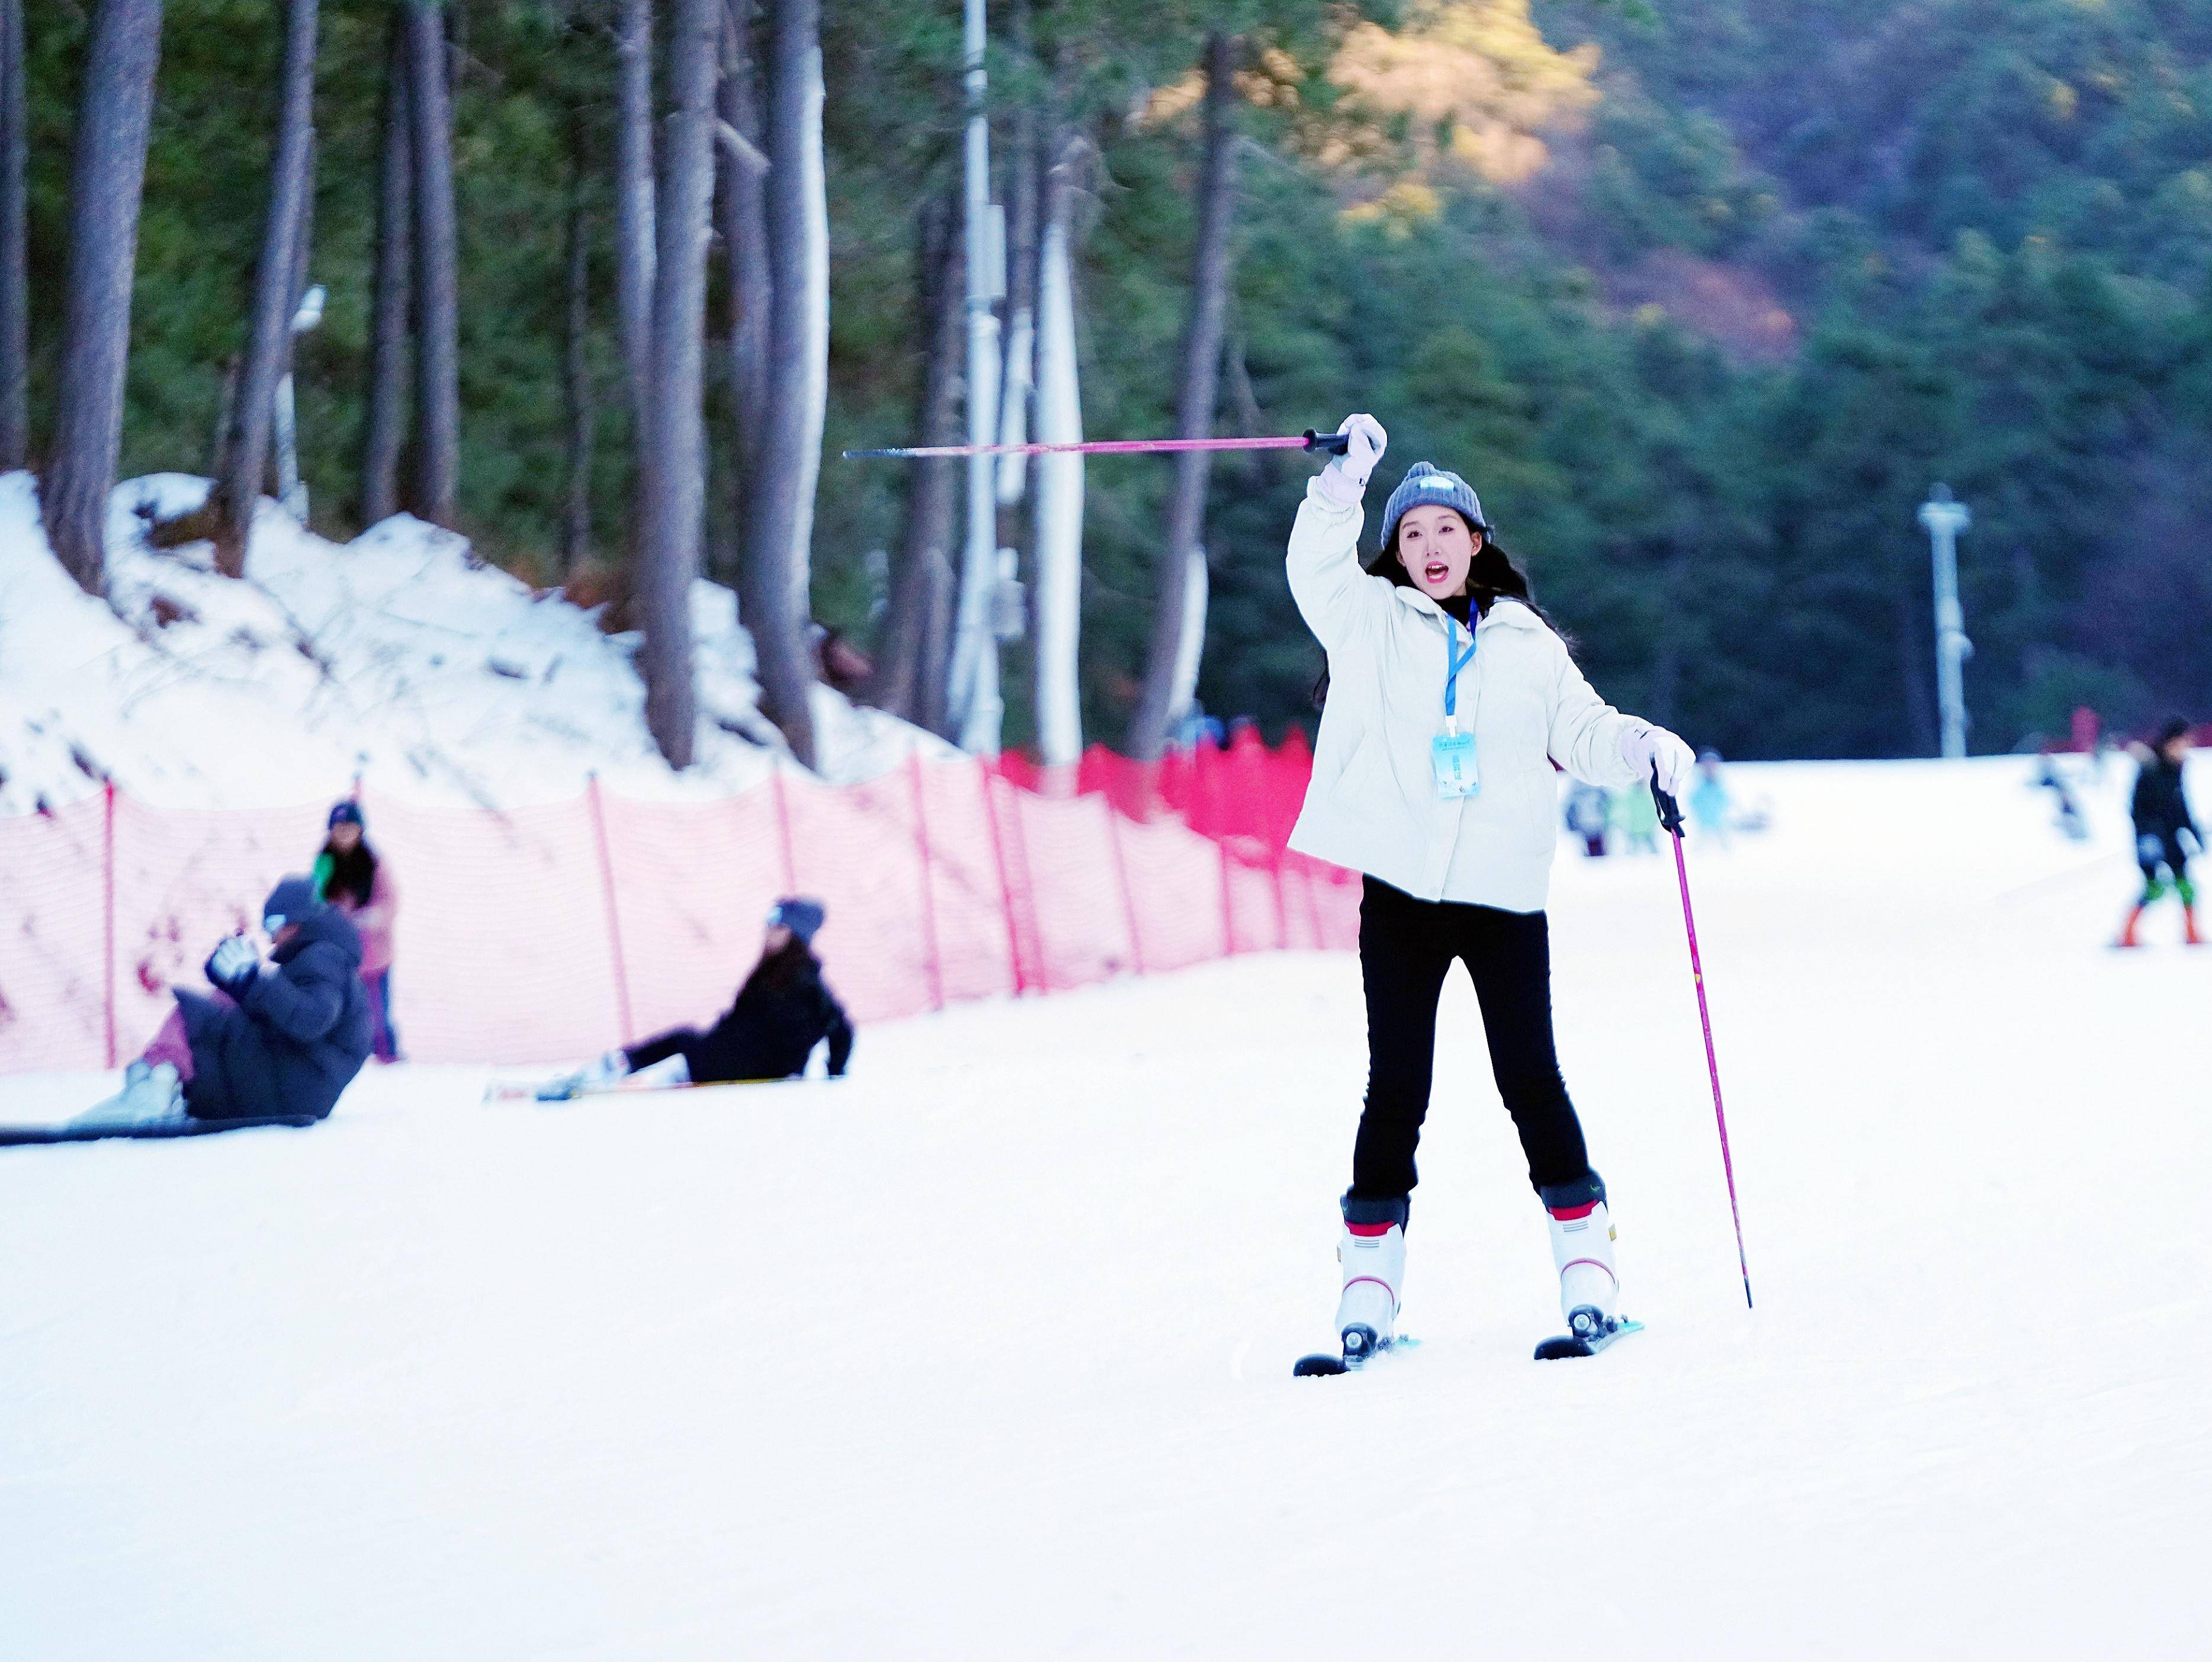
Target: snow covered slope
984,1353
393,656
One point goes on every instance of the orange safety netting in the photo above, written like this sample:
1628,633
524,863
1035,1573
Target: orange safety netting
539,934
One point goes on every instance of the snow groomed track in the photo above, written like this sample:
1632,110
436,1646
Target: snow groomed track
984,1352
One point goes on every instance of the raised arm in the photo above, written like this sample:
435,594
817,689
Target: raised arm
1337,598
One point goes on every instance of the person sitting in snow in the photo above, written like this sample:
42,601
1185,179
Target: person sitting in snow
281,1038
2167,834
351,876
782,1011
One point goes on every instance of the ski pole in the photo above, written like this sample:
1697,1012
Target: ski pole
1670,815
1331,443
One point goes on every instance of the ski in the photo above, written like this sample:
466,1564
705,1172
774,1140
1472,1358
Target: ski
553,1091
1322,1365
145,1130
1581,1345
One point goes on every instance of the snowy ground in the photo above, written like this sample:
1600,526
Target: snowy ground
393,657
985,1352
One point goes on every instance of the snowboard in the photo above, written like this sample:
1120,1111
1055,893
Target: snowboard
1576,1344
24,1136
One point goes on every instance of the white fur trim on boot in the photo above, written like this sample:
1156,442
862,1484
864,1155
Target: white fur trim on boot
1582,1249
149,1094
1373,1257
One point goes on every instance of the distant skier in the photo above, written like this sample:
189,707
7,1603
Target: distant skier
2048,778
281,1038
351,876
1636,817
1432,776
2167,834
1587,813
782,1013
1710,803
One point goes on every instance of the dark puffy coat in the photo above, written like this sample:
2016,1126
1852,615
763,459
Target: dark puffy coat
292,1044
782,1012
2160,808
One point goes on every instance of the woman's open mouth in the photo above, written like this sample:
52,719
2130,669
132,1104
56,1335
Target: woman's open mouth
1436,570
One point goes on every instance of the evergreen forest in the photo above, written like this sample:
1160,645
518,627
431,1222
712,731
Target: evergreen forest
1702,295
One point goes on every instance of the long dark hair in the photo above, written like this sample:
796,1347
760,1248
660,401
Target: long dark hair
782,968
352,871
1491,576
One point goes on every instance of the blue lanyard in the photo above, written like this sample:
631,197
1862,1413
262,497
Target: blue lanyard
1455,661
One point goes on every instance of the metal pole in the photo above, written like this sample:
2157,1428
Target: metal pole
1944,518
976,706
291,494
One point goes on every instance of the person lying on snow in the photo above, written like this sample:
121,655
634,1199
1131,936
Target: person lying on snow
782,1013
279,1039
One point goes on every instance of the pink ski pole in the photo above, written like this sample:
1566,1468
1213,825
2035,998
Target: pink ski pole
1330,443
1670,815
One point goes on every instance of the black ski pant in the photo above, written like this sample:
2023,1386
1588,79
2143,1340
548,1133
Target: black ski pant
686,1042
1407,947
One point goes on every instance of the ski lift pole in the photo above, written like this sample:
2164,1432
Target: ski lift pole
1670,816
1329,443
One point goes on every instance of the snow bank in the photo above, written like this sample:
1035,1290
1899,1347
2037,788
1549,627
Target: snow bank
984,1352
396,656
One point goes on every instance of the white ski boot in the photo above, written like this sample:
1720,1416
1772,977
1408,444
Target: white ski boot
601,1073
1371,1252
150,1095
1582,1249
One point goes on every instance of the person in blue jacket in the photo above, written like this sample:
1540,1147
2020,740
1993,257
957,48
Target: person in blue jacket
279,1039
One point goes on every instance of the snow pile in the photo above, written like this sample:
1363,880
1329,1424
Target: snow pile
394,656
984,1352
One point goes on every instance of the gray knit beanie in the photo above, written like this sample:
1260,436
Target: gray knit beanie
1425,485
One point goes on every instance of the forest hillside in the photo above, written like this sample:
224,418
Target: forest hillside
1703,296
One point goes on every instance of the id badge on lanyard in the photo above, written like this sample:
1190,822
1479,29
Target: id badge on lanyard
1451,753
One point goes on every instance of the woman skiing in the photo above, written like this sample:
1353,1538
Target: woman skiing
1450,700
782,1013
349,876
2166,835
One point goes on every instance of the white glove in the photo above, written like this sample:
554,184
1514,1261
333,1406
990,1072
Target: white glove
1647,748
234,960
1344,481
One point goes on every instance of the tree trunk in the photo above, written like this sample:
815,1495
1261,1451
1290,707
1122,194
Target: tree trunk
246,451
673,490
386,429
1018,378
285,469
576,380
924,571
634,214
1202,367
106,178
14,244
741,203
776,589
1056,564
437,282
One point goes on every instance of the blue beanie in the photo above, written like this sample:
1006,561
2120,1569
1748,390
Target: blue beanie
293,901
347,813
1426,486
801,917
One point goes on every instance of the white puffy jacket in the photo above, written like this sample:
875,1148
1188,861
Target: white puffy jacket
1372,804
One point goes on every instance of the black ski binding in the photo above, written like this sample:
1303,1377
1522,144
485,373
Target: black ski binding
1591,1333
1360,1346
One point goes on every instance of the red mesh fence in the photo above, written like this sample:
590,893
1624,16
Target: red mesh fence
539,934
